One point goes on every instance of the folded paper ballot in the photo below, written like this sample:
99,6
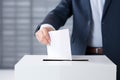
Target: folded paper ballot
59,47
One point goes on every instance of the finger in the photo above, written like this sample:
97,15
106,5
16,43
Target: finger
38,33
43,38
40,37
45,32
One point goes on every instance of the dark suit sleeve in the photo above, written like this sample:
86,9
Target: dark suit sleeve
59,15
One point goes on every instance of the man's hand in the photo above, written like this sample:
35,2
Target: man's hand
43,36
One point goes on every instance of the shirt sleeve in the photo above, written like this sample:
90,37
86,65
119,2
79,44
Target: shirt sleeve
47,25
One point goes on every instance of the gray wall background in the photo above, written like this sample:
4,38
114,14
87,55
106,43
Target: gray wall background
18,20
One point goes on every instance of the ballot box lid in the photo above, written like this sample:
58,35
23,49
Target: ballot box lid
37,60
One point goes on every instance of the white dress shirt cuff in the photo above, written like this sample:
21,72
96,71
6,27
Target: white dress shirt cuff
47,25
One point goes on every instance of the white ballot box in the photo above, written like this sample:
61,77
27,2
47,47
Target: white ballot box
32,67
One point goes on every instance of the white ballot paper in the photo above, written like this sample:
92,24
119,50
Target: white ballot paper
59,47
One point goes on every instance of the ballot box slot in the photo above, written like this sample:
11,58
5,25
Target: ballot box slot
65,60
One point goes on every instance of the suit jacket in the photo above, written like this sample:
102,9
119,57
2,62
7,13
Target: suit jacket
82,22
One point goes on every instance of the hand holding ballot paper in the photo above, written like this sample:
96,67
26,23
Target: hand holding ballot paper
58,44
57,41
